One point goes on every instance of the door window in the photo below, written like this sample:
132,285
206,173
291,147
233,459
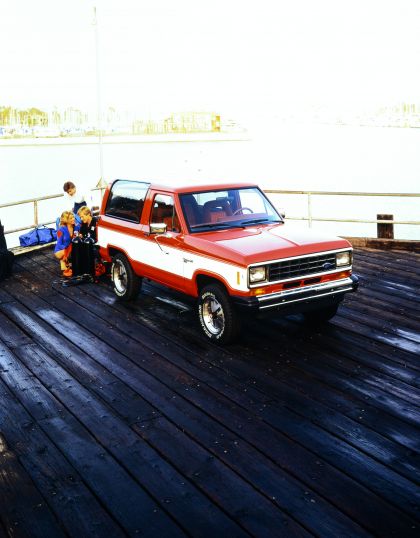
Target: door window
164,211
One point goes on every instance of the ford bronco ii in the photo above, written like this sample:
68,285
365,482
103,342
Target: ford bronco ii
225,245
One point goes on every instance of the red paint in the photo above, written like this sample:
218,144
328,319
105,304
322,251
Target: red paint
240,247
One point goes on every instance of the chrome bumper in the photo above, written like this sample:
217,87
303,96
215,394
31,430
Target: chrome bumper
325,292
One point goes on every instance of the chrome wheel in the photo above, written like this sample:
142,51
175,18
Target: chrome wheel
126,283
213,315
218,319
119,277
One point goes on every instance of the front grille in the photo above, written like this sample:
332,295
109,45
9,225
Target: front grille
298,267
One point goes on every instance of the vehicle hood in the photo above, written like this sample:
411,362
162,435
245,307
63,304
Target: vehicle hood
263,243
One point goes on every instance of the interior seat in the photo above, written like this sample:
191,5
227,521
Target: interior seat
216,210
192,210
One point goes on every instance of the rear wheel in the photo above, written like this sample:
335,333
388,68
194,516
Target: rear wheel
316,317
219,321
126,283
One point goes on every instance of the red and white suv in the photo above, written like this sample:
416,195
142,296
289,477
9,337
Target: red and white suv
227,246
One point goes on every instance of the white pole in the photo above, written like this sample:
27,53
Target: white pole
98,96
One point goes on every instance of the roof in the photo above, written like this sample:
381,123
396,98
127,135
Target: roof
180,186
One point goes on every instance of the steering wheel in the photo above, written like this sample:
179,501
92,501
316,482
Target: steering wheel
241,210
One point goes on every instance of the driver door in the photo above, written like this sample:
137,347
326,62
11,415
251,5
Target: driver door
163,253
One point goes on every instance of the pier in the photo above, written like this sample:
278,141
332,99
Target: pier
121,420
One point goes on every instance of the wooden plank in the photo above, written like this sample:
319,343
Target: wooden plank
23,511
347,393
398,245
184,502
380,440
267,517
348,352
399,278
232,388
55,479
154,357
284,343
391,298
397,259
387,327
373,309
100,471
395,340
324,524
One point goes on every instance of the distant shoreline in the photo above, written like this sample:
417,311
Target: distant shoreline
127,139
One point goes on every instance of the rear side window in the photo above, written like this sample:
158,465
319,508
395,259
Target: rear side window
126,200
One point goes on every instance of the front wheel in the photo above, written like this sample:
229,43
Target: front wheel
316,317
218,319
126,283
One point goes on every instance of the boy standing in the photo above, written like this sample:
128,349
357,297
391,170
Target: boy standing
74,200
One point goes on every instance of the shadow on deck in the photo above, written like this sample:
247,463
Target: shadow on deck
121,420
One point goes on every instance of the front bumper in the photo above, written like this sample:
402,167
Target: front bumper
300,299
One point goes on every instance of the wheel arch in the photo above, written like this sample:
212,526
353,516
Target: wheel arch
109,251
112,251
204,279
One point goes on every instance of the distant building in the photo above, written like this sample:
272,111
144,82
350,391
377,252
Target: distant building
32,117
192,122
75,122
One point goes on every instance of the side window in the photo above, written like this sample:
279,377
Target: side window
164,211
126,200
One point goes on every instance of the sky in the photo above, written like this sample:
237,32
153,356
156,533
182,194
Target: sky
238,57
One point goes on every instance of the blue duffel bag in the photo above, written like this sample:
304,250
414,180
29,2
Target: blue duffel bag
38,236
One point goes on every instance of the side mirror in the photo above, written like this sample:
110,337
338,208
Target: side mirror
157,228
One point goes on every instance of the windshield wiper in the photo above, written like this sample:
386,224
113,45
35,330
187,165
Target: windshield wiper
215,225
258,221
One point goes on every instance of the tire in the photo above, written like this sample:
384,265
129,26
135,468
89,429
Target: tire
218,319
322,315
125,282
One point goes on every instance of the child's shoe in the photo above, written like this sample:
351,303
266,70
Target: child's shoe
67,273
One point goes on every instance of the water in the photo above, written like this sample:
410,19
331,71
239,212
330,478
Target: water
293,157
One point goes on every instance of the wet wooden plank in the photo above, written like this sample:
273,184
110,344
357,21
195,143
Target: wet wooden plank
56,480
22,508
260,515
110,481
184,502
322,425
124,323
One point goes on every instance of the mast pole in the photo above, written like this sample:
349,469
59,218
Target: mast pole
98,95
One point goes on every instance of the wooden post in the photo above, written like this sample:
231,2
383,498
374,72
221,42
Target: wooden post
385,231
36,212
309,210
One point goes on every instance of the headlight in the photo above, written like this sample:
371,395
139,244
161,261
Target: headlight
257,274
343,258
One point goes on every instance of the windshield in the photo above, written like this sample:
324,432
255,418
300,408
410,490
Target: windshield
235,208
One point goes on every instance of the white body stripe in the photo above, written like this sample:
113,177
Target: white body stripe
173,260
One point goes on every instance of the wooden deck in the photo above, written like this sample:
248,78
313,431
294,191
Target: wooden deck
122,420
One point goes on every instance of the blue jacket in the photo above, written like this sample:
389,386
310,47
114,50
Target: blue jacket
63,237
